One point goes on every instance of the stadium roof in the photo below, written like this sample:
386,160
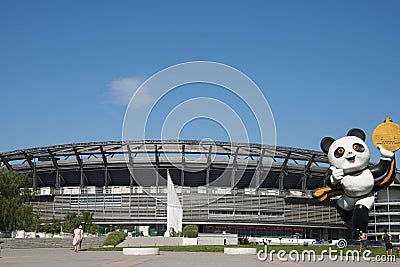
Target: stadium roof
190,163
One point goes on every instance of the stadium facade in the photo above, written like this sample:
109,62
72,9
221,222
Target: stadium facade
248,189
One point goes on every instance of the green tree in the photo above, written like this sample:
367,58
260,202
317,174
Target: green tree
15,211
55,226
71,220
44,228
87,219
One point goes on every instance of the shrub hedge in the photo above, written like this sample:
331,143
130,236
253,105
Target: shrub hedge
191,231
114,238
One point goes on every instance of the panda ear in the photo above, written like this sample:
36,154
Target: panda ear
326,142
357,132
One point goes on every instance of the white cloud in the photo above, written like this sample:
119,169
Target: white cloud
124,88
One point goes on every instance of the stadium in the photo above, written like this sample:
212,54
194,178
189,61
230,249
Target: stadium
247,189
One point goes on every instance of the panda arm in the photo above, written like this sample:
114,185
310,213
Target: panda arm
383,170
328,180
330,190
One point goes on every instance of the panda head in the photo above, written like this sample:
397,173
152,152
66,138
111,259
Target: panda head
349,153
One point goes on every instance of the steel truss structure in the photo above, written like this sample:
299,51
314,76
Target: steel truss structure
125,183
59,166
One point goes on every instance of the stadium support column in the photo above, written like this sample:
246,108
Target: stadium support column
131,175
106,177
208,180
34,181
306,175
282,174
157,158
281,179
183,167
55,164
81,180
256,178
208,166
9,167
34,174
234,167
80,163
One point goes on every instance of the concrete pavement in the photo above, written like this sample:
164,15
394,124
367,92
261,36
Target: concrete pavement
61,257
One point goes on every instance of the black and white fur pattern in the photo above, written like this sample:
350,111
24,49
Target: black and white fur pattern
349,158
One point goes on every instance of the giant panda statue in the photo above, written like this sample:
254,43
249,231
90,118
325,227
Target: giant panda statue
351,177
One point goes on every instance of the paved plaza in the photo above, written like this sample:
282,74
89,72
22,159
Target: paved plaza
61,257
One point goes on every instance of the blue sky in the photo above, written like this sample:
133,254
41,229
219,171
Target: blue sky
68,68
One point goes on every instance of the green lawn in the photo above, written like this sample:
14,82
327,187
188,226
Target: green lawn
220,249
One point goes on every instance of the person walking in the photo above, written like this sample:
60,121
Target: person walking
80,243
77,237
387,238
363,237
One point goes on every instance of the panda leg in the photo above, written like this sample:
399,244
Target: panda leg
344,206
345,215
361,219
361,211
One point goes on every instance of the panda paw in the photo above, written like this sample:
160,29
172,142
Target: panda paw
385,154
337,175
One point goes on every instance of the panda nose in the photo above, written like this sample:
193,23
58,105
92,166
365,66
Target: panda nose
350,152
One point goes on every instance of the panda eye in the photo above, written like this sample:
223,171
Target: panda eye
339,152
358,147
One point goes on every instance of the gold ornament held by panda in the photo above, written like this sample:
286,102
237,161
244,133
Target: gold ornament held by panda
387,134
